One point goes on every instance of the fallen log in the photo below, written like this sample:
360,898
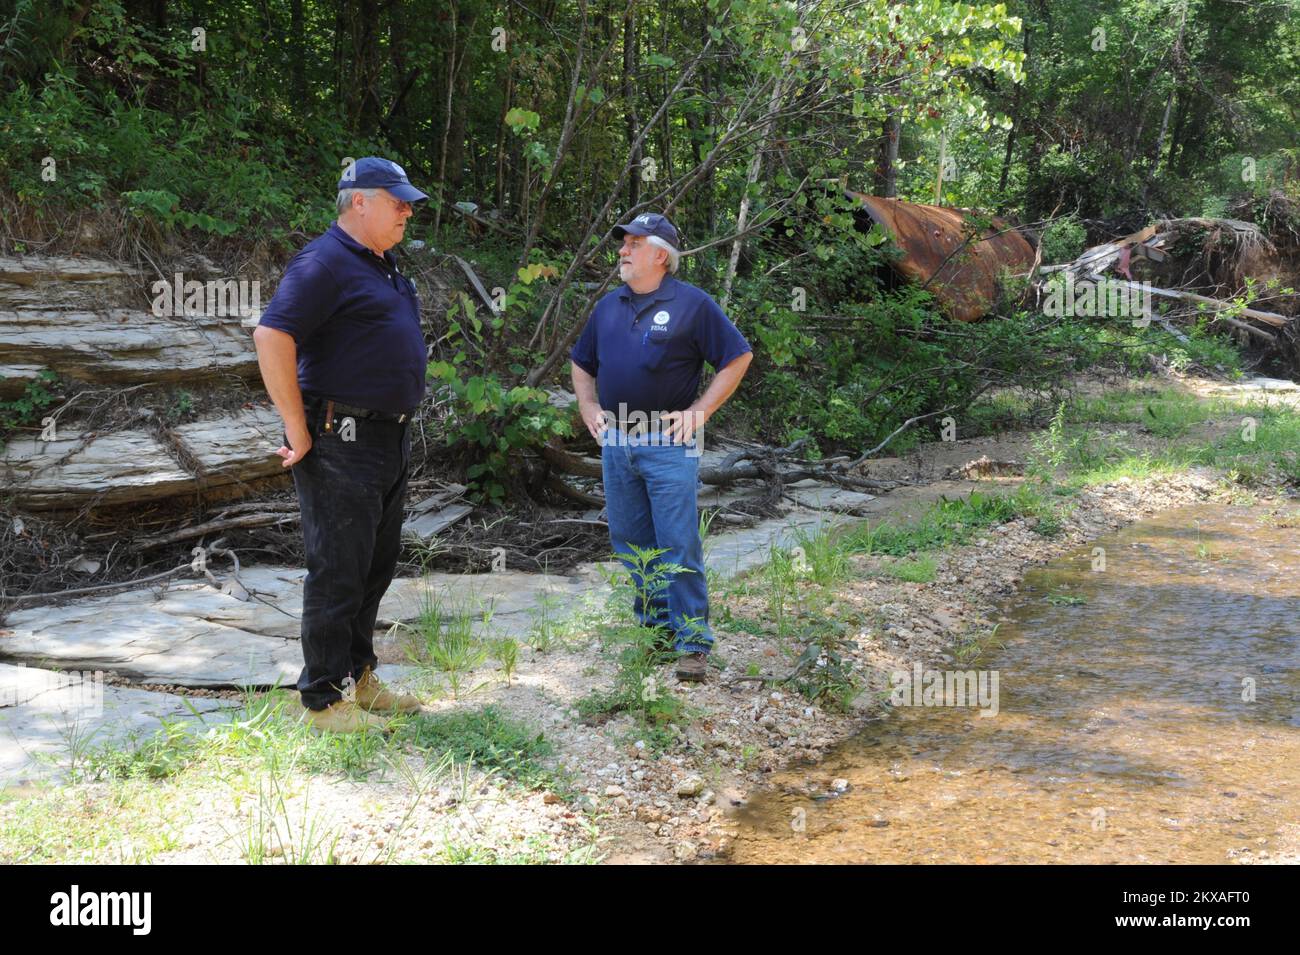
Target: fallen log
1268,318
470,274
560,486
570,463
731,470
237,521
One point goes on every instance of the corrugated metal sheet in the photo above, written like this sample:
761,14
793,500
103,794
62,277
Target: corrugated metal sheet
962,275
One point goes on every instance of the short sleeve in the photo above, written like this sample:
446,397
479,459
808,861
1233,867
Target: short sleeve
719,340
583,352
306,296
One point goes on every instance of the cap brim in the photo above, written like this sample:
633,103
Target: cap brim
406,193
630,229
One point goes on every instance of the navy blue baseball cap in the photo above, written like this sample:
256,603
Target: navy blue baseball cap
650,223
372,172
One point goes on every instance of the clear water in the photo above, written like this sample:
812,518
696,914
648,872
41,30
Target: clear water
1125,728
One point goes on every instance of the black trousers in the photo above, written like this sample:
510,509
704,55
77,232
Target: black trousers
351,491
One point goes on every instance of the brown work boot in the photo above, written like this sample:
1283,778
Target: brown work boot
373,696
692,667
342,716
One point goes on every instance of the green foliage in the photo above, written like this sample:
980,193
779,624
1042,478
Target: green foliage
244,140
443,639
488,738
1063,239
26,411
947,523
493,418
914,570
824,674
505,650
639,651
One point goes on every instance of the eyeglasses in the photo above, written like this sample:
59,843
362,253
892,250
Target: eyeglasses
401,205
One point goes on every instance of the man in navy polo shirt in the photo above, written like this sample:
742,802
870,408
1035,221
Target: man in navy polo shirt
343,358
636,373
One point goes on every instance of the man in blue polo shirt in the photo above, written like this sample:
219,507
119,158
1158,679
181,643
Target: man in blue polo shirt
343,358
636,373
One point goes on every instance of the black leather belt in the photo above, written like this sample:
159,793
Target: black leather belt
333,408
638,426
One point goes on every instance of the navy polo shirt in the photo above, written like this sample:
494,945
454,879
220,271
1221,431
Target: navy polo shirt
651,358
356,321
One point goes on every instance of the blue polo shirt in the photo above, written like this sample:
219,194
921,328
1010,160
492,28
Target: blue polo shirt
650,358
356,321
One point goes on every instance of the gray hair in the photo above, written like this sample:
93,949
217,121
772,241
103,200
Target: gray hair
674,257
345,197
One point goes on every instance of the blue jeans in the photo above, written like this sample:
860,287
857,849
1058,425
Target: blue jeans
650,502
351,495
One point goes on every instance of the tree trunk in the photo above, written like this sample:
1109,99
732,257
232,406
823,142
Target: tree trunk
440,198
631,123
297,72
460,109
751,177
887,163
1176,70
501,129
1017,104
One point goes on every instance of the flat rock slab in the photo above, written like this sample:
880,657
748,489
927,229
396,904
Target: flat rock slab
42,712
144,642
133,465
127,345
726,495
189,634
1252,385
828,497
504,603
14,379
733,552
61,281
428,525
193,634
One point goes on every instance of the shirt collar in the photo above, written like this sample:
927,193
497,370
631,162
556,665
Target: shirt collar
348,242
667,289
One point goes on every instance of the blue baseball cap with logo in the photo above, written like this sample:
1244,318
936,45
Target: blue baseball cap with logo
372,172
650,223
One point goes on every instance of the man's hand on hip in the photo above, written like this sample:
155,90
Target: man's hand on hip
680,426
297,448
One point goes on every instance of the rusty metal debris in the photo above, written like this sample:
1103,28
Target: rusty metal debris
957,255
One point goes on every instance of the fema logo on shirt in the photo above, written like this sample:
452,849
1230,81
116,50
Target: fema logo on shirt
660,322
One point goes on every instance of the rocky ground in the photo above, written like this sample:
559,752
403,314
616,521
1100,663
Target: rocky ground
645,806
625,799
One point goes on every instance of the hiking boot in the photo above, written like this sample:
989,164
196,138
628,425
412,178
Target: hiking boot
692,667
342,716
373,696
